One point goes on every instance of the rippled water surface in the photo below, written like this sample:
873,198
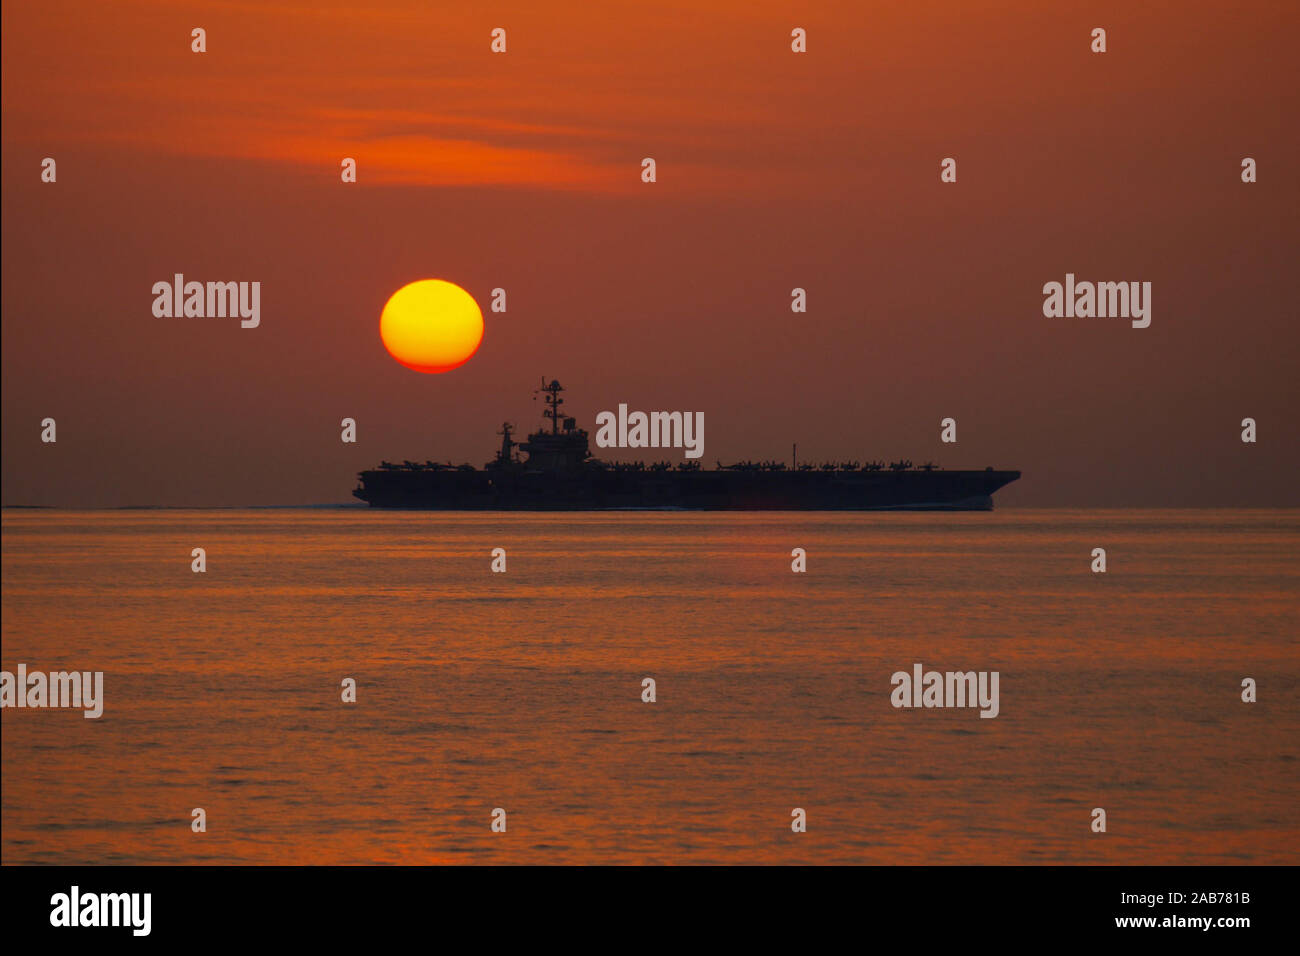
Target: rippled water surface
522,690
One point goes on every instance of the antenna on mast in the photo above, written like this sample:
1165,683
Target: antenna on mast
552,392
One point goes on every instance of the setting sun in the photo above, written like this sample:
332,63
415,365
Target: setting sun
431,325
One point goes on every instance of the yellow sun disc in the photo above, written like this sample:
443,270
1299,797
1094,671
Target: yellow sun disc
431,325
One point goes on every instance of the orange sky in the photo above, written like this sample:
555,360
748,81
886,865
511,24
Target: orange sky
775,171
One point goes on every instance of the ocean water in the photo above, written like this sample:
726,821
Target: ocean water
522,690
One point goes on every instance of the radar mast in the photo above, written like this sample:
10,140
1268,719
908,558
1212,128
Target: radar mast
552,392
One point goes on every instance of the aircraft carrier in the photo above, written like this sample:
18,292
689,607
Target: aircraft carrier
560,474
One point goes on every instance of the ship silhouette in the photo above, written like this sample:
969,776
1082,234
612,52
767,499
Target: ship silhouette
560,474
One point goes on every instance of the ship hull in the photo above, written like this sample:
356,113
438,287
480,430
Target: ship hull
715,490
